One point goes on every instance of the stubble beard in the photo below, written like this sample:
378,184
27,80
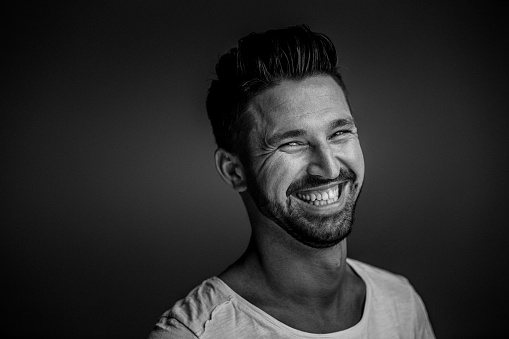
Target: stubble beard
316,231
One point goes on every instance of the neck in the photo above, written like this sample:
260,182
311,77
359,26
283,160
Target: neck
294,270
310,289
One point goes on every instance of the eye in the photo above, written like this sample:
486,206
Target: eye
292,146
340,133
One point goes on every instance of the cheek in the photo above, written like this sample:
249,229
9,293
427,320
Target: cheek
357,161
353,158
276,175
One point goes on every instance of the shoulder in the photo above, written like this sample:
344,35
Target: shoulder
380,279
189,316
393,295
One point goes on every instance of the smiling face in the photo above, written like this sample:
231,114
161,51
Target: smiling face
305,165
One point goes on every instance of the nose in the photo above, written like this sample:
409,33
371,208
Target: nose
324,163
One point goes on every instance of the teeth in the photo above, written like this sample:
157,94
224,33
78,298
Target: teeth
321,198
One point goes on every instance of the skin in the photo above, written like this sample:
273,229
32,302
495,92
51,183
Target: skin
308,287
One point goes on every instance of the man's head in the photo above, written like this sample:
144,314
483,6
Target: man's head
285,133
261,61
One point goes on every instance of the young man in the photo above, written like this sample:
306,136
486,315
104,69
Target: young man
287,142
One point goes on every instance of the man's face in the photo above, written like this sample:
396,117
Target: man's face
305,167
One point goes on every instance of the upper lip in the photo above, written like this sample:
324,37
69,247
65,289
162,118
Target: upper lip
322,188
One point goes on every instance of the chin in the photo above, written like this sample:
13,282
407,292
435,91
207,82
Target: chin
310,229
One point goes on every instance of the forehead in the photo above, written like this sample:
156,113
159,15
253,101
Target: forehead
315,100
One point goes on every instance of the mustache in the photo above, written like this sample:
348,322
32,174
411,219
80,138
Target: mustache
311,181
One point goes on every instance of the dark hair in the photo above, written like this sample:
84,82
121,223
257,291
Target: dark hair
260,62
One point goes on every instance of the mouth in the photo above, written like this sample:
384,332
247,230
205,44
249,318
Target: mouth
321,196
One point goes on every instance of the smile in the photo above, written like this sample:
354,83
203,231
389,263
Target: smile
320,197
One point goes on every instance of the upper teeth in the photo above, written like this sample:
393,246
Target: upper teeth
320,195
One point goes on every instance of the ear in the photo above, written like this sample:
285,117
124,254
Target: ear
231,170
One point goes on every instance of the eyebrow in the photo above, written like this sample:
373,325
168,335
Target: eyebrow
342,122
278,137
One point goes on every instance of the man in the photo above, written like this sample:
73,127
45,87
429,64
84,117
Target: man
287,142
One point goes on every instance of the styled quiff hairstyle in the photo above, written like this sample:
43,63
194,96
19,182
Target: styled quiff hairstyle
261,61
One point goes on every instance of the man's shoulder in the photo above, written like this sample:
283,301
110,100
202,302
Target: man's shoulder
194,311
391,295
382,281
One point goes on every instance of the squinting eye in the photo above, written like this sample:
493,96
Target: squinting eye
339,133
293,143
292,146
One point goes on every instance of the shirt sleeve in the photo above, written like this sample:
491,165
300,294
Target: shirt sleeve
171,328
423,328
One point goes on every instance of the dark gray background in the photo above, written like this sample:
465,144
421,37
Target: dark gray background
112,209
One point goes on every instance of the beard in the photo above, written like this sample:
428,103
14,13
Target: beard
317,231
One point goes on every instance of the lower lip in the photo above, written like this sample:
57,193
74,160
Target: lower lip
333,206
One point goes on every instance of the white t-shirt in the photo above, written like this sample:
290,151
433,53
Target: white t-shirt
213,310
